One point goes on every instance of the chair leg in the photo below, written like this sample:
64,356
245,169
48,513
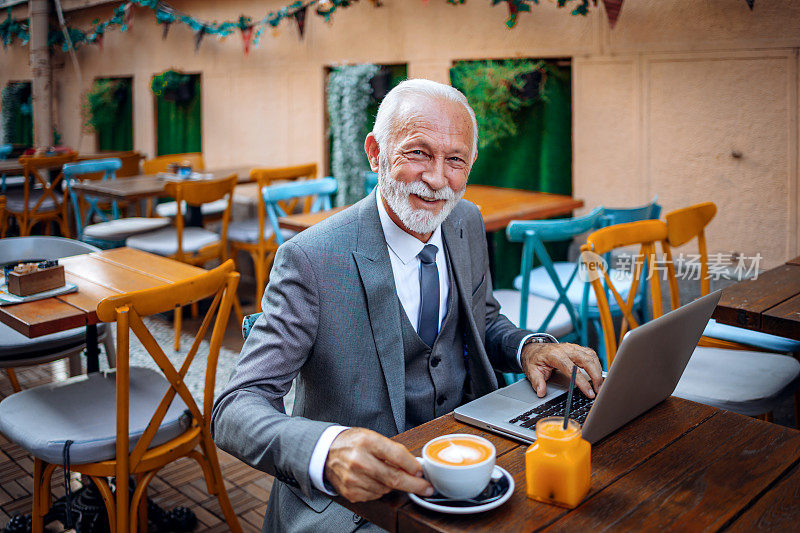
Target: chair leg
210,453
178,318
108,500
37,516
195,309
139,503
258,266
12,377
237,308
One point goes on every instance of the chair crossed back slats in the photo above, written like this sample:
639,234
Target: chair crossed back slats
622,215
196,193
683,225
127,310
276,196
38,188
161,163
84,207
645,234
266,177
533,234
370,181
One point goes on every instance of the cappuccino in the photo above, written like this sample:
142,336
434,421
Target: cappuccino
459,451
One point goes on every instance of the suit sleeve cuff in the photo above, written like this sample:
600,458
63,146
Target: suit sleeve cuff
316,467
535,337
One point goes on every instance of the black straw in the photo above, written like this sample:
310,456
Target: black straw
569,395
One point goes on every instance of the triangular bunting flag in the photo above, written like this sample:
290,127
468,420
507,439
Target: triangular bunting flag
300,18
750,3
613,8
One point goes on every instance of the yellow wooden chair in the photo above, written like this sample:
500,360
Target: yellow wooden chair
747,382
685,225
257,236
41,198
131,421
190,244
161,163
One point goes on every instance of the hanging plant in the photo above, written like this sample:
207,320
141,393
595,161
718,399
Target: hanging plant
174,86
103,103
16,105
496,90
349,96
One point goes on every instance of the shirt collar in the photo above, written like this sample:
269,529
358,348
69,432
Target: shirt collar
405,246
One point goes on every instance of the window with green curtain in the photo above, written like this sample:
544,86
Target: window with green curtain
117,134
178,126
537,158
17,113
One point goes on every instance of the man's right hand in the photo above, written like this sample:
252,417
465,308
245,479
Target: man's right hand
364,465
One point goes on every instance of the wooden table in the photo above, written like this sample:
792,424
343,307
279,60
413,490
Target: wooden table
769,303
147,185
681,465
498,205
97,275
11,167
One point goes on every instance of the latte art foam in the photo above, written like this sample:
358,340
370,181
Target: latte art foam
455,453
458,451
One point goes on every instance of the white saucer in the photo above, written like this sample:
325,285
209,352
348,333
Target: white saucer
477,508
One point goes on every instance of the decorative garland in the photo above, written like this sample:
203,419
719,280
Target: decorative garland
349,94
251,30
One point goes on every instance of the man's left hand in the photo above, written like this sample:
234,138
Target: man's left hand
539,359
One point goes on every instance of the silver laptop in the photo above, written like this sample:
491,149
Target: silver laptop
649,362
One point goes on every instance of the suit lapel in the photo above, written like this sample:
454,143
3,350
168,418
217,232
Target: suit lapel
375,269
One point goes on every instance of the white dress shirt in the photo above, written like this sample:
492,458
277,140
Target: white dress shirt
403,250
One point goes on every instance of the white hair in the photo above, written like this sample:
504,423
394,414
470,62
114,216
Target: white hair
387,112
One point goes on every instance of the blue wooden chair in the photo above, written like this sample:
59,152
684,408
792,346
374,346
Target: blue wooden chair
5,149
320,191
370,181
112,230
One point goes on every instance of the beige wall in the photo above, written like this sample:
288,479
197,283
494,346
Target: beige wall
660,103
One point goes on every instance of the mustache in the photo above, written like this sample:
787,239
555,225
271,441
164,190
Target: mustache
422,189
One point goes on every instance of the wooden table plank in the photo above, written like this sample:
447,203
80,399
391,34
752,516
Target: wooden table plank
743,303
783,319
156,266
776,510
110,275
612,458
700,482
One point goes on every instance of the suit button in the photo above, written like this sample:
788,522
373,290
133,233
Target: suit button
440,400
435,362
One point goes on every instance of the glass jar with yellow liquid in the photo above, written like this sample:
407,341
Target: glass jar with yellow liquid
558,464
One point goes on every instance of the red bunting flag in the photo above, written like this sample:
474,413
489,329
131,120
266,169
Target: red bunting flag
300,18
613,8
247,38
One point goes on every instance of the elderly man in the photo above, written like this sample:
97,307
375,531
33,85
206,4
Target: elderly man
384,313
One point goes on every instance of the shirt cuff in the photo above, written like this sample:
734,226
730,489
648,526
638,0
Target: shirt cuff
316,467
537,337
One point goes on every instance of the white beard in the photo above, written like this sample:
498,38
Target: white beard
397,195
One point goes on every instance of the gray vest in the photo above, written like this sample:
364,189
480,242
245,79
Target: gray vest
435,376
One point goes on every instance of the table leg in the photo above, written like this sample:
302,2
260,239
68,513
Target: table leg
92,350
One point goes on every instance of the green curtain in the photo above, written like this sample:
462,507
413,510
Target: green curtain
538,158
178,124
120,135
20,122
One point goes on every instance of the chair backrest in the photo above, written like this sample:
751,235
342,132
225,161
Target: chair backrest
370,181
13,249
622,215
533,234
161,163
34,166
129,159
268,176
247,324
684,225
85,207
127,310
320,191
199,192
5,149
645,234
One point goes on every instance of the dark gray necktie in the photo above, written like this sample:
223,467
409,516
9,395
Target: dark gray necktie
428,325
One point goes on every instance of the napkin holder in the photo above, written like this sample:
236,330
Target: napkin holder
44,277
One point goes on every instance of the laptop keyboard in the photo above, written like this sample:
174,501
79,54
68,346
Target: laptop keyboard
555,407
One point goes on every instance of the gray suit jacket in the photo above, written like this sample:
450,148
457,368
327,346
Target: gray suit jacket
331,320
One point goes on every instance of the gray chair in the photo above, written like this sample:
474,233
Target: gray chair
17,350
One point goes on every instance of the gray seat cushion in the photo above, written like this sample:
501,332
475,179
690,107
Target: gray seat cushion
83,409
748,383
15,345
542,285
217,207
15,201
124,227
749,337
247,231
538,309
165,241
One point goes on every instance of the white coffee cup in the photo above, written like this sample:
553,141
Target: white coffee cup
458,465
